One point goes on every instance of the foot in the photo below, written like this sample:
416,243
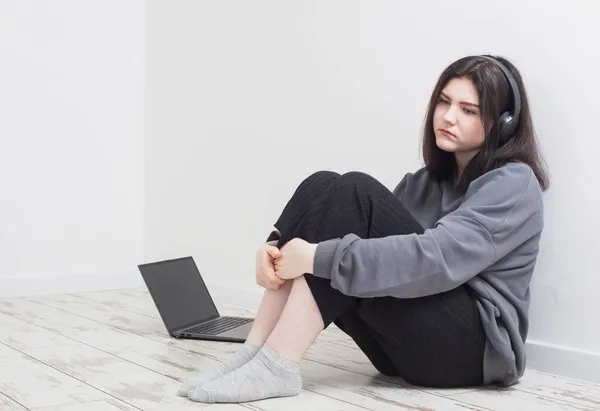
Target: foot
267,375
241,357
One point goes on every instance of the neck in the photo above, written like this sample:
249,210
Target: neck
462,160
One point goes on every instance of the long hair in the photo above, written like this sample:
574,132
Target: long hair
494,98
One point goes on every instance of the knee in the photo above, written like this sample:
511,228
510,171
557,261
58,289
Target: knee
356,177
323,175
353,179
319,179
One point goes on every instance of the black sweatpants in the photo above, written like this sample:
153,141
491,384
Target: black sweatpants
435,341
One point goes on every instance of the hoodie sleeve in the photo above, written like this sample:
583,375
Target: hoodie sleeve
501,210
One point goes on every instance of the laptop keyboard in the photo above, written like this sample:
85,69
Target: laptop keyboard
218,325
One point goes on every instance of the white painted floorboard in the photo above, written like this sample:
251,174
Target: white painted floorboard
109,350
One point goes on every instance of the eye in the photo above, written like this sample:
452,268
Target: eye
442,100
470,112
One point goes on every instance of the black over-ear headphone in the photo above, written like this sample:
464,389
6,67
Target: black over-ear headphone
508,122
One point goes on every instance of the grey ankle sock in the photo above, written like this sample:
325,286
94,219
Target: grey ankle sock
241,357
267,375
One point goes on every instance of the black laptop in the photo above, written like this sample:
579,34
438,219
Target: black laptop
185,305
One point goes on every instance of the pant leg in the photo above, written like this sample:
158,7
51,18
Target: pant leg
435,341
328,205
366,339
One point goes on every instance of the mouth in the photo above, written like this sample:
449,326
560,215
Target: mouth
446,133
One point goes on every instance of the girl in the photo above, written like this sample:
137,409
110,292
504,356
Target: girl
432,279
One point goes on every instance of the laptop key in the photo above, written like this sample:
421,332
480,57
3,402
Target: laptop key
218,325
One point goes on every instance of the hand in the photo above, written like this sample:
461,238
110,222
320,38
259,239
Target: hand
265,271
297,258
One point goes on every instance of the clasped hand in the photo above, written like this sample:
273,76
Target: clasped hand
296,258
275,266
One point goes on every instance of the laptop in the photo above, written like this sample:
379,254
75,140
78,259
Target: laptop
185,305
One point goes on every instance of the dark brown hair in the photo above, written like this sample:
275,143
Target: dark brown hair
495,97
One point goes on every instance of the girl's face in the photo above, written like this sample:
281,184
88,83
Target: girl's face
457,121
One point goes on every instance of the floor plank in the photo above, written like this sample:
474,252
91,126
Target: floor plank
561,388
511,398
136,302
7,404
39,314
167,359
107,405
372,393
33,384
128,382
307,400
105,314
23,336
7,352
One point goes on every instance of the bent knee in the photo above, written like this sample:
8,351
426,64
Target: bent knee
323,175
320,178
352,178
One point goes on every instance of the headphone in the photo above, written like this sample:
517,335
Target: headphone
508,122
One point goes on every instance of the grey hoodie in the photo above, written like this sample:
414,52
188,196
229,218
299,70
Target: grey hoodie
487,238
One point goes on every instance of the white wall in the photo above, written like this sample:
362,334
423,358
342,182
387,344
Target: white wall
245,99
72,79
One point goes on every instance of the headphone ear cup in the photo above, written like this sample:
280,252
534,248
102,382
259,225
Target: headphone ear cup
506,127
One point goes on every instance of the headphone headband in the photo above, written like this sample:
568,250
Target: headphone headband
508,121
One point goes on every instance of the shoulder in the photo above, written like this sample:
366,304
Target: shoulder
512,179
419,176
413,181
511,190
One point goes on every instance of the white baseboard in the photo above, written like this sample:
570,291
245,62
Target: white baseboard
549,358
24,286
564,361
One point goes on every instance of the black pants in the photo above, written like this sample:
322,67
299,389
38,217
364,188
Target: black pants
435,341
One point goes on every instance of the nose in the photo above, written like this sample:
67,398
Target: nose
450,115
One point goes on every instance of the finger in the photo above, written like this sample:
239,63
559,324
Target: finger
274,252
269,268
274,277
278,278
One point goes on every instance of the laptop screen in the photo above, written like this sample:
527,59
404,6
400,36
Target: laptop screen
179,292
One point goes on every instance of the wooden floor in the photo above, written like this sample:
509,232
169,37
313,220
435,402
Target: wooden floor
105,351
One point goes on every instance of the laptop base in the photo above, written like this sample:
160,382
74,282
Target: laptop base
237,335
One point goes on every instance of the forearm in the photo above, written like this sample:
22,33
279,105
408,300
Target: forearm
404,266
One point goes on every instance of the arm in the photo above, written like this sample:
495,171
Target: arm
501,210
